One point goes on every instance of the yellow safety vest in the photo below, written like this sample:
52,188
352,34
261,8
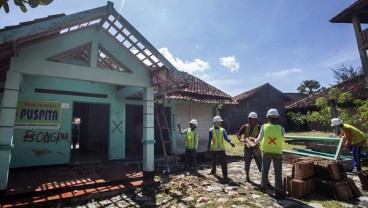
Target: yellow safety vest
159,101
358,136
217,141
254,132
191,139
272,140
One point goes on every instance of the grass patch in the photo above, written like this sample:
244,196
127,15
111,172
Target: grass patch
238,150
311,134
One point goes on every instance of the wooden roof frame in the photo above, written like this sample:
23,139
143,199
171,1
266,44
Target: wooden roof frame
165,77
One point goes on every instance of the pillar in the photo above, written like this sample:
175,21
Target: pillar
7,119
148,130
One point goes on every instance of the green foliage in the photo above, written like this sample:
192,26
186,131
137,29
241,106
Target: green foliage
297,118
343,72
362,114
345,97
22,4
321,102
323,116
356,116
309,87
334,93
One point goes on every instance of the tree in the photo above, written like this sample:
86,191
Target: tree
350,110
343,72
309,87
22,4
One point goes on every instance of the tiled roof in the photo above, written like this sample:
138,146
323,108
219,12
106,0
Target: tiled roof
250,93
359,7
354,85
201,92
295,96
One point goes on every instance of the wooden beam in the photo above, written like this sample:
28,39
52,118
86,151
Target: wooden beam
128,91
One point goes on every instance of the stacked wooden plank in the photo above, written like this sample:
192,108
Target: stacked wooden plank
327,177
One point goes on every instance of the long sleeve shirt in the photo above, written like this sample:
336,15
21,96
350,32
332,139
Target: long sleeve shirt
226,137
184,132
261,133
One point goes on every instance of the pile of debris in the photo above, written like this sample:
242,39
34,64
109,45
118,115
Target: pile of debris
322,176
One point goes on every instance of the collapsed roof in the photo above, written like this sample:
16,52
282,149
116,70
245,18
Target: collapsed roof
164,76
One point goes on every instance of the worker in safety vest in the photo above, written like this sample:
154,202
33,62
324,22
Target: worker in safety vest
271,138
216,144
191,142
251,129
354,137
160,108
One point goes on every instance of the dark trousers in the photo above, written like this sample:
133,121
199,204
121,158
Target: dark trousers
221,156
190,153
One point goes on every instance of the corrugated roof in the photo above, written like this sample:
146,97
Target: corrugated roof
200,91
354,85
164,75
360,7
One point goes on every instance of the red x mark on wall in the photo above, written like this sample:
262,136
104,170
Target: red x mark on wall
272,140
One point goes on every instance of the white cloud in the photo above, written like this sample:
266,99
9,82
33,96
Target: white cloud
341,58
230,63
283,73
187,66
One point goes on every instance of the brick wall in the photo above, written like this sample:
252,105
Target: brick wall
235,116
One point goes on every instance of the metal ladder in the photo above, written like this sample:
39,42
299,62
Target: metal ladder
164,127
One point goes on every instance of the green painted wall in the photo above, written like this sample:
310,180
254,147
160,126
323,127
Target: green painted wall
41,152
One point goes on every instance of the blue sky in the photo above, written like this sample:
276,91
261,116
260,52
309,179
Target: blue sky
234,45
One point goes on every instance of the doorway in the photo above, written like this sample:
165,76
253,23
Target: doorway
134,132
91,123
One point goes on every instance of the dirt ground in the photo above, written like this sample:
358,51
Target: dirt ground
189,188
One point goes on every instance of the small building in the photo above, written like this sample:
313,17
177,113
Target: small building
259,100
198,101
91,70
357,14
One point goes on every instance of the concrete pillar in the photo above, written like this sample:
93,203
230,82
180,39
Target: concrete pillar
148,130
7,119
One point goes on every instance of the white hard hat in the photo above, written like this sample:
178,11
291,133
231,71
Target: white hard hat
336,122
193,121
217,119
273,113
252,115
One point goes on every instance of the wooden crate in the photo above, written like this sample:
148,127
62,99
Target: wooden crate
301,188
327,169
339,190
287,183
303,170
343,190
354,188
